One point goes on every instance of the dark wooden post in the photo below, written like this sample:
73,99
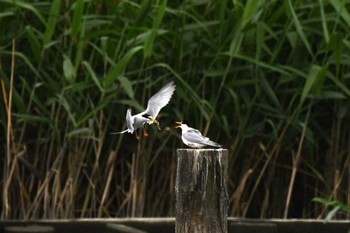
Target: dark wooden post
201,191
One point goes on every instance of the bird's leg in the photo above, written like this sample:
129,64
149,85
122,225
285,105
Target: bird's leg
145,133
137,136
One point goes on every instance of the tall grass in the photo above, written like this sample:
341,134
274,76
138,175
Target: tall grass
267,79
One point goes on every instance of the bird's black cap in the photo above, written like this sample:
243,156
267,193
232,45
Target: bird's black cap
146,116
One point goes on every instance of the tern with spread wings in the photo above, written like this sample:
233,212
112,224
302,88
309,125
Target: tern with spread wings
155,104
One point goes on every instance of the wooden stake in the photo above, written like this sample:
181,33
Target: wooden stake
201,191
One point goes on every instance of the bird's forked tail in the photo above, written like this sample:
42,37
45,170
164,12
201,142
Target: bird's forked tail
124,131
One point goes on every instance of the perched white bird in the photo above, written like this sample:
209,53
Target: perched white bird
193,138
155,104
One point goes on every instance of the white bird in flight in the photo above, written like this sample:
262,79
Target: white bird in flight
193,138
155,104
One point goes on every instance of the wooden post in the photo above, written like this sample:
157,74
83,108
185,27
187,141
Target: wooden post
201,191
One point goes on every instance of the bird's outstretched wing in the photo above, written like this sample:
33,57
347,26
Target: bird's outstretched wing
160,99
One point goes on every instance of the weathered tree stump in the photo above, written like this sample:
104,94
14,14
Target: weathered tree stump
201,191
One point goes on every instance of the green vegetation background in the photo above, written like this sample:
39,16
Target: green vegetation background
267,79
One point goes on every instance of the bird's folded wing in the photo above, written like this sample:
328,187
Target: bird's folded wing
195,136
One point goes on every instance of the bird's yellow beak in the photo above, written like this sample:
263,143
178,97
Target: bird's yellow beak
178,124
153,120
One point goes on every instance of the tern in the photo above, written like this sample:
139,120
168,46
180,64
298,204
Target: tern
155,104
193,138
